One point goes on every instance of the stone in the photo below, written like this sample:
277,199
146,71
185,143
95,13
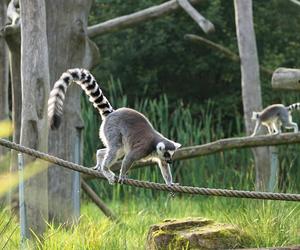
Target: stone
195,233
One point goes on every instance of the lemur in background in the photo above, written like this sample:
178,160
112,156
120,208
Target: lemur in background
124,132
275,116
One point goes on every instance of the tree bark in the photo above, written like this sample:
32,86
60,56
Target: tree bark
133,19
4,109
69,47
251,91
35,91
12,35
4,67
285,78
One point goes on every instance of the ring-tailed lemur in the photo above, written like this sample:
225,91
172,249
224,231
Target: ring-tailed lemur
275,116
125,132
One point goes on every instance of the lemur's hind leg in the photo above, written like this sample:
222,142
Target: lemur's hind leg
110,158
275,128
99,157
269,128
288,123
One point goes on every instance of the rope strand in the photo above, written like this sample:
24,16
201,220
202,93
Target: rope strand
153,185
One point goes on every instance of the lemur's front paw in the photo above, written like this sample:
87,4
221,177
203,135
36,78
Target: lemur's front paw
122,178
110,176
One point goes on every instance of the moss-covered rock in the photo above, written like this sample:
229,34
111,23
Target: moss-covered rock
194,233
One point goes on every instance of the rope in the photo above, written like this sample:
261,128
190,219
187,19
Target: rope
153,185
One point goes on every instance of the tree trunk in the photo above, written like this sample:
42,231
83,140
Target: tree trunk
35,92
12,36
251,91
4,110
69,47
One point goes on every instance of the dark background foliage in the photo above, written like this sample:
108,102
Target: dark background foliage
183,86
154,58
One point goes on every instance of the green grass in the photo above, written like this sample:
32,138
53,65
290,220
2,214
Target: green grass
269,223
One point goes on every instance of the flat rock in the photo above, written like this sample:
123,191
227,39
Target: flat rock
194,233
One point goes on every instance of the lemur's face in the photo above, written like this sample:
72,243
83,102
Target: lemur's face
166,151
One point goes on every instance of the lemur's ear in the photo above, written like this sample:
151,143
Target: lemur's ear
177,145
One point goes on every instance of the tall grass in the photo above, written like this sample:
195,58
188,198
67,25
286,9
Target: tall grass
268,223
229,169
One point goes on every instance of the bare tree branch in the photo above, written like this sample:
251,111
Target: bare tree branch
227,52
204,24
133,19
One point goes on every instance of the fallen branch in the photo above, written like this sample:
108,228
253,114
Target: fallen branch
133,19
204,24
227,52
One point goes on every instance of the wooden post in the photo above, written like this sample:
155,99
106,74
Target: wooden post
79,51
251,90
22,210
35,91
76,177
12,35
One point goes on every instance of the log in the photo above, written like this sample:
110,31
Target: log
203,23
286,78
133,19
222,145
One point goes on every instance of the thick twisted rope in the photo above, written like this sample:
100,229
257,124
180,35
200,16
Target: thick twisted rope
152,185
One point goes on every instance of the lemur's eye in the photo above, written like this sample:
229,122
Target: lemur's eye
167,154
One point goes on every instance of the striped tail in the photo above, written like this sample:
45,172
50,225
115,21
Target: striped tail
88,83
294,106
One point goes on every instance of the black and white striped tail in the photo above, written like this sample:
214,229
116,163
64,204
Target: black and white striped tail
294,106
88,83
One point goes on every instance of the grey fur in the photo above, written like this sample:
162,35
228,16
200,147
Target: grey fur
128,133
125,132
275,116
